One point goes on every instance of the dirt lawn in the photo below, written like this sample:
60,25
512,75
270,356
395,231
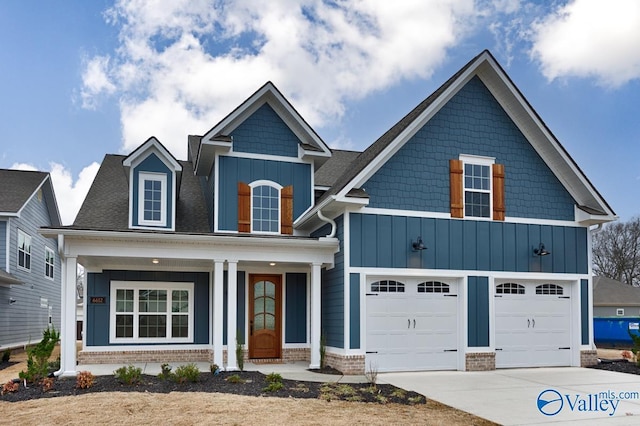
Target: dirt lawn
189,408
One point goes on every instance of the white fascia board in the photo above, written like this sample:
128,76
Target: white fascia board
152,145
33,194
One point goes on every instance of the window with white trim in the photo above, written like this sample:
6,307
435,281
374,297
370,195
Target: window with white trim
477,186
49,262
152,199
620,312
265,207
151,312
24,250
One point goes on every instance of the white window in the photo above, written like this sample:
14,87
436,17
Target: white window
49,262
265,207
387,286
620,312
24,250
152,199
477,186
509,288
151,312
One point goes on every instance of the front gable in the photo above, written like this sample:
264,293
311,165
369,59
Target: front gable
154,177
471,123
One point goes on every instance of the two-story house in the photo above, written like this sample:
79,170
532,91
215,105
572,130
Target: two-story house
30,276
460,239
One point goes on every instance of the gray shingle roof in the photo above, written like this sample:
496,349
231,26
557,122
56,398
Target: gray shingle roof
335,167
608,292
106,206
16,186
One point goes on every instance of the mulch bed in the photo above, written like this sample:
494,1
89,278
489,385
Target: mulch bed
618,365
254,384
4,365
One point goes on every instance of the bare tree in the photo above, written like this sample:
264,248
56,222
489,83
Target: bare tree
616,252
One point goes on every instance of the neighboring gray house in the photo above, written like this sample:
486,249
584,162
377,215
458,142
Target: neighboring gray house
30,276
613,298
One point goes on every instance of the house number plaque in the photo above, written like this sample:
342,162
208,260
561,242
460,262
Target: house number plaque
98,300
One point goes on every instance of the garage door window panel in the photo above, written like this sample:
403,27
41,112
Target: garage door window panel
433,287
387,286
510,288
550,289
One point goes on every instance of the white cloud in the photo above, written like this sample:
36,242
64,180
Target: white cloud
69,194
590,38
183,65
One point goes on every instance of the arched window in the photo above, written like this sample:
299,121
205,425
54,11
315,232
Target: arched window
552,289
387,286
433,287
265,206
509,288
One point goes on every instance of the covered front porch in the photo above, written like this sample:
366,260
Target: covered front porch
153,297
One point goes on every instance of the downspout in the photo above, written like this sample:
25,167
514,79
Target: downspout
323,218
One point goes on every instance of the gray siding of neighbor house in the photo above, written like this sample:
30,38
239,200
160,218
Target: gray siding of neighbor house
610,311
3,244
25,320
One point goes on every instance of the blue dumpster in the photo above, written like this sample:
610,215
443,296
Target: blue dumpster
614,332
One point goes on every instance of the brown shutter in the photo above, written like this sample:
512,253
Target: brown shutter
455,188
498,192
286,210
244,207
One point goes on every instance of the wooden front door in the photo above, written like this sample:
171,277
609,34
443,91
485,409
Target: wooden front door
265,294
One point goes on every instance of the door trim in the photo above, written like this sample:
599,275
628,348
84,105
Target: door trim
277,280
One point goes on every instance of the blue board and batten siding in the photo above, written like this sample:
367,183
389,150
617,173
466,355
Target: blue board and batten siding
99,284
584,311
354,311
152,164
265,133
248,170
383,241
332,291
478,312
295,308
25,320
473,123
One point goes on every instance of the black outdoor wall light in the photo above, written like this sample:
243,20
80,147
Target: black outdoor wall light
418,245
541,251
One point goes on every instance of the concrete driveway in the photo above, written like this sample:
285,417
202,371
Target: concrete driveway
512,397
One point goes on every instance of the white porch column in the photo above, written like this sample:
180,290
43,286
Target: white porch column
68,318
315,316
232,307
218,278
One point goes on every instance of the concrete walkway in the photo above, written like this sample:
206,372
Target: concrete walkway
511,397
292,371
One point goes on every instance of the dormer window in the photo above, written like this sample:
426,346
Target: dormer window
152,208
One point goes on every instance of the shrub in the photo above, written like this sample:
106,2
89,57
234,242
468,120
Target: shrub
54,365
166,372
273,386
239,353
38,356
186,373
636,346
6,355
273,378
47,384
627,355
10,386
235,379
371,374
84,380
323,349
128,375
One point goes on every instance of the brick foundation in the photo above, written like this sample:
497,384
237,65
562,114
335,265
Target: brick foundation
480,361
347,364
588,358
129,357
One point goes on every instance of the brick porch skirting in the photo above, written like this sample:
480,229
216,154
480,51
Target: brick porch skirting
480,361
347,364
129,357
588,358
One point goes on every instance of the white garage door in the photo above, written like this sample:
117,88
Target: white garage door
411,325
533,325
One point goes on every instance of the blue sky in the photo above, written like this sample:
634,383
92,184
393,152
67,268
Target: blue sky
95,77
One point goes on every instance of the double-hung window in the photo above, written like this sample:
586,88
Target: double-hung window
49,262
152,199
24,250
477,186
151,312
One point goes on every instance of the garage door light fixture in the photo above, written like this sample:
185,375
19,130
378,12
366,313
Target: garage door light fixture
418,245
541,251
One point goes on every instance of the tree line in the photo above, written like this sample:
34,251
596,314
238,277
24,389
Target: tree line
616,252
